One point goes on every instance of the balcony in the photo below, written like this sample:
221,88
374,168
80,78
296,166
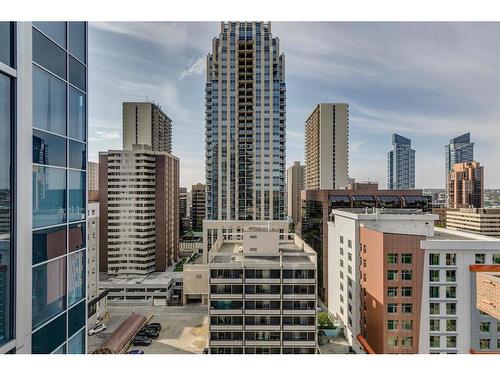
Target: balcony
259,327
226,281
262,296
299,312
289,327
226,327
262,342
299,343
226,311
299,296
299,281
226,342
226,296
262,312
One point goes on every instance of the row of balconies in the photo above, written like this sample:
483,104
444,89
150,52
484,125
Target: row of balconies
262,343
214,311
261,281
260,327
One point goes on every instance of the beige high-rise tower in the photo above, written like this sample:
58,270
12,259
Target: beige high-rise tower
144,123
327,147
466,185
294,185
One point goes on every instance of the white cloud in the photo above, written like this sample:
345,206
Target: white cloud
104,135
196,68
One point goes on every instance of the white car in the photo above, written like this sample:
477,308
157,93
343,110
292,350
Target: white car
98,328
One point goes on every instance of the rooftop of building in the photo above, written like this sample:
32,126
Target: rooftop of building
473,211
154,278
383,213
447,234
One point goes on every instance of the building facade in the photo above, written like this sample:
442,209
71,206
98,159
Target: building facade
327,147
401,164
145,123
459,150
93,176
465,185
485,221
198,205
184,220
139,217
245,124
262,294
317,206
43,135
294,185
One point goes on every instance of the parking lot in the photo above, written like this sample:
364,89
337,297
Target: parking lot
184,328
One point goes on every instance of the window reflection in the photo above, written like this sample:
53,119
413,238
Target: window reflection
49,149
54,30
77,155
49,196
76,237
77,40
76,274
77,115
77,74
6,37
48,244
48,54
77,194
49,338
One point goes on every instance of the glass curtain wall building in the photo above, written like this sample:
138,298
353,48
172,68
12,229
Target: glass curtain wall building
245,124
47,122
459,150
401,164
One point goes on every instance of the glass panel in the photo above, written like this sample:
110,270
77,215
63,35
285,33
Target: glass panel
76,282
49,290
77,74
50,337
49,244
49,196
49,149
49,55
76,318
49,102
77,344
77,40
6,50
76,209
6,259
77,155
55,30
77,114
76,237
61,350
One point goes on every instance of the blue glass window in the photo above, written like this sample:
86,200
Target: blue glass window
49,196
76,274
77,196
77,115
77,40
50,337
77,155
49,102
77,74
48,244
76,318
48,54
49,290
76,237
6,43
49,149
77,343
55,30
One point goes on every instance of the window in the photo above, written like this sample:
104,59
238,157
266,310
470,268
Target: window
76,344
341,239
349,244
77,115
434,275
49,290
392,258
496,258
392,342
6,43
433,292
451,259
54,30
77,196
48,54
392,275
406,275
392,308
392,325
49,196
406,258
407,308
451,292
451,325
50,337
451,308
434,259
49,102
77,40
434,325
392,291
484,326
77,155
451,341
480,258
451,276
76,318
484,344
434,341
49,149
76,274
48,244
406,291
77,74
407,325
434,308
406,342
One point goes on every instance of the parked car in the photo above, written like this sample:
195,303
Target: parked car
96,329
152,333
155,326
136,351
141,341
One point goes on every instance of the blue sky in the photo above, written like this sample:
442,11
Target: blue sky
427,81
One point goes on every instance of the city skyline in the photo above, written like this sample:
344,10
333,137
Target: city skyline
448,99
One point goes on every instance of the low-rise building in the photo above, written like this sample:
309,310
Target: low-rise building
485,221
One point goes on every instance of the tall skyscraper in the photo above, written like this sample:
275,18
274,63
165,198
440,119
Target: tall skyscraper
93,176
459,150
327,147
43,154
245,124
139,211
184,224
198,204
144,123
465,185
294,185
401,164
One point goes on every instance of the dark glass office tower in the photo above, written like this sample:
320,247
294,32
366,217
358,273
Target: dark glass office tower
401,164
245,124
459,150
43,123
